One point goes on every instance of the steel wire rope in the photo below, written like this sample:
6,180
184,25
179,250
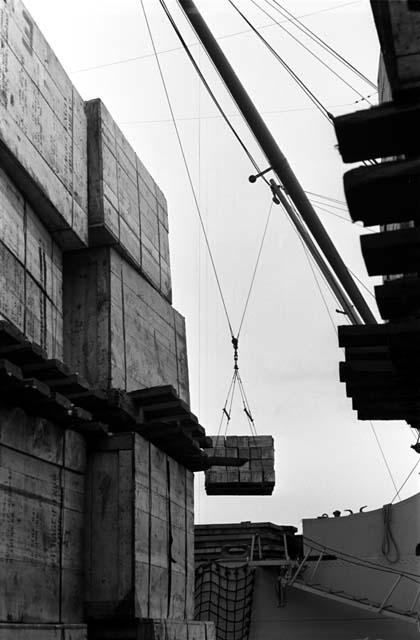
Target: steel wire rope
255,268
361,561
181,146
304,46
335,330
316,38
337,215
384,459
228,35
322,109
407,479
319,195
207,86
284,64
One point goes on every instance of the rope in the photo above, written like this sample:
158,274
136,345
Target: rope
389,546
300,82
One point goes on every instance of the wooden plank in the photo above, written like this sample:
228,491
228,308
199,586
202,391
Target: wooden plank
9,631
150,351
127,209
43,127
384,193
378,132
392,252
398,298
398,27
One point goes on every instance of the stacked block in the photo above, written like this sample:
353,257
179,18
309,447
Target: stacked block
140,533
31,279
126,207
41,523
254,477
119,332
43,130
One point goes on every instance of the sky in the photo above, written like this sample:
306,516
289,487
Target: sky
325,458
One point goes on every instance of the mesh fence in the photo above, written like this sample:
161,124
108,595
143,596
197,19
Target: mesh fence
224,596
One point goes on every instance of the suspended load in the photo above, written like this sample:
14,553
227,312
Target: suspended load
253,477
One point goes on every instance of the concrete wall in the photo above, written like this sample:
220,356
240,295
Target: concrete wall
310,617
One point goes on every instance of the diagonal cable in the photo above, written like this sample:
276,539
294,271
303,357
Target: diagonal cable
316,38
181,146
312,53
255,268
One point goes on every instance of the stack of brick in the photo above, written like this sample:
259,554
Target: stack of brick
254,477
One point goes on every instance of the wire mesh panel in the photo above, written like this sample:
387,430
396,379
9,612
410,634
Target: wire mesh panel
223,595
254,477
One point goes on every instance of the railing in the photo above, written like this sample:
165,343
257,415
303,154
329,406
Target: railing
307,579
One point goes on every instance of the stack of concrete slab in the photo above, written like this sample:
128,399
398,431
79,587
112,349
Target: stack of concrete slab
31,279
254,477
41,528
126,207
140,533
43,130
119,332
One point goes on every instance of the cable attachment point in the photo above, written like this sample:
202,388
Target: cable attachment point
258,175
235,344
275,188
248,413
225,411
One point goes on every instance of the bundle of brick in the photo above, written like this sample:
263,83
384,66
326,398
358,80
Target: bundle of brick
254,477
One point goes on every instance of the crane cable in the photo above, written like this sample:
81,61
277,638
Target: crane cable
284,64
319,105
234,339
316,38
320,60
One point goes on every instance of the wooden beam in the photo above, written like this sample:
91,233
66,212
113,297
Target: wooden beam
384,193
399,298
378,132
392,252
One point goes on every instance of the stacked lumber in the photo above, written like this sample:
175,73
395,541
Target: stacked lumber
243,541
380,370
253,477
31,278
158,629
41,522
140,518
119,332
126,207
43,130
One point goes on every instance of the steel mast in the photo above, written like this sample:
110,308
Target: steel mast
277,160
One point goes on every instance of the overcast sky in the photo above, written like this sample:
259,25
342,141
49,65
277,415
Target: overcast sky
325,458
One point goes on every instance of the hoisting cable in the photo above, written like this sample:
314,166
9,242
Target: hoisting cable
255,268
207,86
284,64
320,60
181,146
323,110
316,38
236,378
407,479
